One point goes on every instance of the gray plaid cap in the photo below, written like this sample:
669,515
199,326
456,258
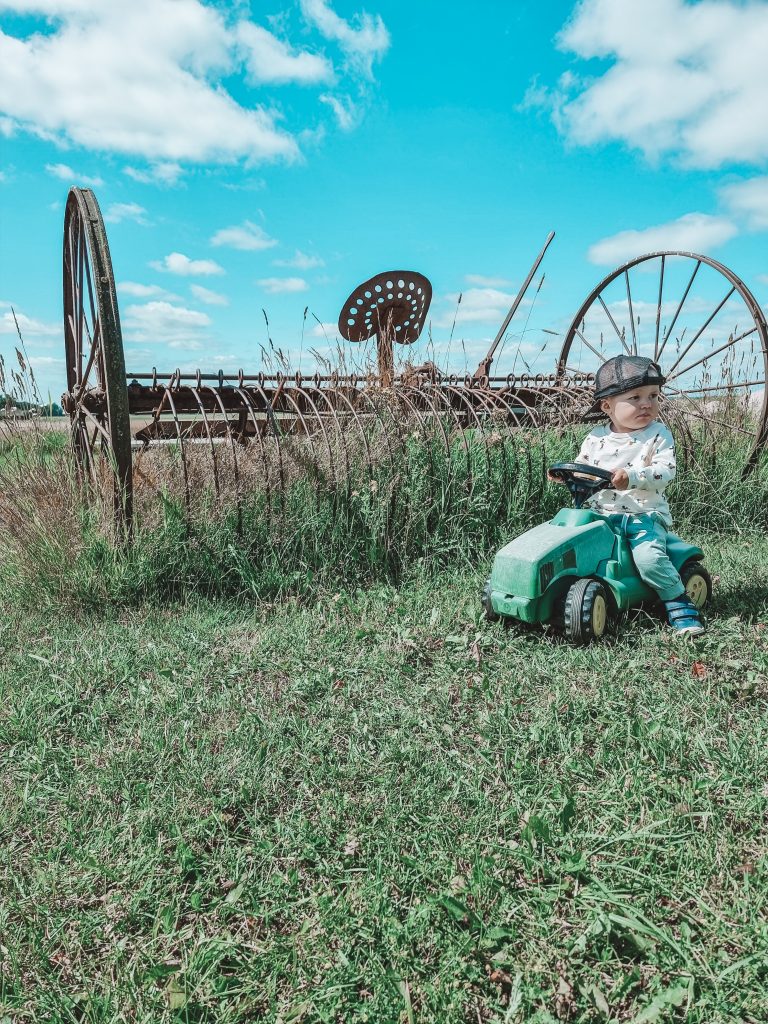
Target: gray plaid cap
624,373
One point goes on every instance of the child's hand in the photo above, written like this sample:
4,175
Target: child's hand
620,479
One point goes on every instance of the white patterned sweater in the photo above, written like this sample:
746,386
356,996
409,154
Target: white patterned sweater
648,456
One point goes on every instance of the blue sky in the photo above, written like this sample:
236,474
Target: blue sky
251,156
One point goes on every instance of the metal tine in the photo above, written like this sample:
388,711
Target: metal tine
456,428
367,396
309,434
201,408
233,447
481,424
250,411
177,423
277,433
323,396
340,395
409,396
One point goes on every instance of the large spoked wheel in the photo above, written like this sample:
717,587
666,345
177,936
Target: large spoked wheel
703,325
96,397
587,611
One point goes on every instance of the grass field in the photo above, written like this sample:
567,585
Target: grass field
373,806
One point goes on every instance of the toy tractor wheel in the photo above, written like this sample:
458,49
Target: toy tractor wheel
697,583
485,601
586,613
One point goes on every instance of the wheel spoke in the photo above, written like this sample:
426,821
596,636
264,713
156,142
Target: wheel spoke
714,352
658,311
95,347
574,370
701,330
89,282
631,314
79,292
591,348
707,418
669,330
716,367
720,387
98,426
619,334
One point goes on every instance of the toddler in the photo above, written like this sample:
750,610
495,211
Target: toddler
639,452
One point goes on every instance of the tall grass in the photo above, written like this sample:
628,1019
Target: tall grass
430,504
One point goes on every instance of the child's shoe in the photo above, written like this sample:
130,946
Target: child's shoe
683,616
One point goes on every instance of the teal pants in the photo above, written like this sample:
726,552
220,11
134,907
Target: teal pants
647,537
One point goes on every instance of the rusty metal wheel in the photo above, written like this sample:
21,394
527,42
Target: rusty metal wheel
96,397
701,322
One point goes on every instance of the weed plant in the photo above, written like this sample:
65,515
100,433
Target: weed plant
427,506
378,808
340,795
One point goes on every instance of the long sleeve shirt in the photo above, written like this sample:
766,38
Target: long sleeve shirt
647,455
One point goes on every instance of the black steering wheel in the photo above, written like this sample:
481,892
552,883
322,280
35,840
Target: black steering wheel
581,480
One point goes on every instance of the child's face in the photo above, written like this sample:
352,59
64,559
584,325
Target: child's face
632,410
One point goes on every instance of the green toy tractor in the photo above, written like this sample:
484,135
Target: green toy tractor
575,572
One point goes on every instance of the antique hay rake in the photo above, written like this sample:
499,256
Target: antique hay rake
268,428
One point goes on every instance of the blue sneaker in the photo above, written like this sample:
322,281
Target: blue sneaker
683,616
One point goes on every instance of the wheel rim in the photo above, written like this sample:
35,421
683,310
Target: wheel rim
701,322
96,397
696,589
599,615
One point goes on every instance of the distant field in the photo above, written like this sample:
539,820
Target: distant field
12,425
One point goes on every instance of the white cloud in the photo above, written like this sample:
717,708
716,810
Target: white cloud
248,236
749,199
47,362
344,109
688,79
275,285
324,330
164,322
138,78
178,263
117,212
693,232
145,291
207,296
477,305
163,173
29,327
188,345
487,282
364,42
269,59
300,261
65,173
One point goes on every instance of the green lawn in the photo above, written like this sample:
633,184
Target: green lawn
379,808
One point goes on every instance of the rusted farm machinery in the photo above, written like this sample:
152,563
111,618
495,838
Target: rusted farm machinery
701,321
